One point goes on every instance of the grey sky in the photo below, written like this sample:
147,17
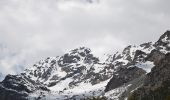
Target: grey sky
35,29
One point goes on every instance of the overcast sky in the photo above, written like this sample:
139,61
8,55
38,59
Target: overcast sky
31,30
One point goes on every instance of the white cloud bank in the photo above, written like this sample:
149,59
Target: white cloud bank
35,29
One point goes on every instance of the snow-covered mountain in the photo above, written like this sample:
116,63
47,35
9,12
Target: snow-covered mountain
76,74
79,74
144,56
70,74
157,82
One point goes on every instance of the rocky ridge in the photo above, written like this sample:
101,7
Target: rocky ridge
147,61
156,84
78,74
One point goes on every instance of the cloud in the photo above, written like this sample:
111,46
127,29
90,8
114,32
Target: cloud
36,29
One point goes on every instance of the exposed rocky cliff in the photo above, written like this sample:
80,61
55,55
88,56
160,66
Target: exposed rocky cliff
145,56
79,74
157,83
61,77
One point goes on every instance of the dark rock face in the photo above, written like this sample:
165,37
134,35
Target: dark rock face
81,66
16,87
124,75
17,83
76,71
155,56
139,55
163,42
78,65
126,52
127,71
163,39
146,45
160,73
75,55
11,95
157,83
145,52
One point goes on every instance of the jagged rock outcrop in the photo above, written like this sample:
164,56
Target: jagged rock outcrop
125,64
163,44
78,74
61,75
155,56
157,83
16,87
124,75
145,56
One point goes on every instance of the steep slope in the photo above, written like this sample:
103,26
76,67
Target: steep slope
76,74
157,83
63,75
130,65
18,87
145,56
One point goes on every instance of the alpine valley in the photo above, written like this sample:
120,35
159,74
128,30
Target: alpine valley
137,73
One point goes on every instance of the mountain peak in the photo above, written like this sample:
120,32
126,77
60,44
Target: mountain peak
81,50
165,38
78,74
163,44
81,54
